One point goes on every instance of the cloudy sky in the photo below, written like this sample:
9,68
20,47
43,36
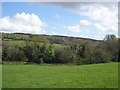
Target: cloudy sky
88,20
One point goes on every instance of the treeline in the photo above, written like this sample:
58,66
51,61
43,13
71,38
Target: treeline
74,52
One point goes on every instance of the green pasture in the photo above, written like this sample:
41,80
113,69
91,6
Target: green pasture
16,42
22,42
60,76
0,76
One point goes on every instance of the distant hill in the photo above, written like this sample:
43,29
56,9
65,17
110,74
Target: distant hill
58,49
56,39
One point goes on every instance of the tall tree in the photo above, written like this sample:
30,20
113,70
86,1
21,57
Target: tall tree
110,37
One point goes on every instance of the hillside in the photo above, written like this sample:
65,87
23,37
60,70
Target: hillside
55,39
20,47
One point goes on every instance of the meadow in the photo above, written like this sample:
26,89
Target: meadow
0,76
15,42
22,43
104,75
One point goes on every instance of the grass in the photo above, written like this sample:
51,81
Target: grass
0,76
65,76
22,42
6,39
16,42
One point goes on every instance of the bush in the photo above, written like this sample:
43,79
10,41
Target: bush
64,55
12,53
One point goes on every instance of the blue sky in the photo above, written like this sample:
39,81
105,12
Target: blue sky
87,20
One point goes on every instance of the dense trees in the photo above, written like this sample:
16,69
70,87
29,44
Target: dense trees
39,53
39,49
12,53
64,54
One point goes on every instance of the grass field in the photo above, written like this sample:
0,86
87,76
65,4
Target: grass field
22,42
61,76
0,76
16,42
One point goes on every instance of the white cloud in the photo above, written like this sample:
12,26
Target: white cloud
107,17
25,23
100,27
105,13
75,28
102,18
85,22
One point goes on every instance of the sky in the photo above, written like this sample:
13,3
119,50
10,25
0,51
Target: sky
87,20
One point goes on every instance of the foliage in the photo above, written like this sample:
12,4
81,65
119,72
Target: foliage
39,53
54,49
64,54
110,37
12,53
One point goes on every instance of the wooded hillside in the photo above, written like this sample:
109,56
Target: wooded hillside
20,47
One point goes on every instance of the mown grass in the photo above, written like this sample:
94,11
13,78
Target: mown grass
0,76
65,76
